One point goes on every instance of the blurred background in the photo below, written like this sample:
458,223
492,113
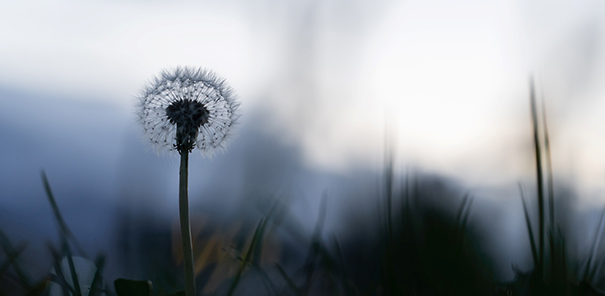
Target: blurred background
326,87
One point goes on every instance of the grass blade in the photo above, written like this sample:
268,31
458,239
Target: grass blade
256,238
342,263
467,210
60,277
389,189
11,259
461,210
595,240
65,233
314,248
95,286
530,232
64,229
551,193
12,252
539,180
289,281
72,269
269,285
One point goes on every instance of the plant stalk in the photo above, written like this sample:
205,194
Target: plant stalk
540,181
185,225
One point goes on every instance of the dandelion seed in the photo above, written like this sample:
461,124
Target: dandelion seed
189,107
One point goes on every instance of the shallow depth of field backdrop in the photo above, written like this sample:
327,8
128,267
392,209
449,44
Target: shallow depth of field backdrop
324,86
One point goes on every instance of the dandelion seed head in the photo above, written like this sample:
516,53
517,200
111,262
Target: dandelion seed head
188,108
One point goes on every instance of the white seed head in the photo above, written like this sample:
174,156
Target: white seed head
188,108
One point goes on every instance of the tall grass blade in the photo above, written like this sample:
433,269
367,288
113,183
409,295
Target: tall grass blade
555,265
530,232
268,283
11,259
257,255
463,215
12,253
551,192
60,277
464,223
563,258
315,246
539,181
406,202
342,263
256,240
95,286
64,230
389,189
289,281
64,233
72,269
461,209
551,199
595,240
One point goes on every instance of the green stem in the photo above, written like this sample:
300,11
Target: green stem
185,225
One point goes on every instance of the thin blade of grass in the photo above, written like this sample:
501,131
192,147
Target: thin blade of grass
65,235
253,244
406,196
539,180
95,286
389,188
465,216
315,246
257,256
530,232
461,209
551,195
554,263
38,289
60,277
11,251
289,281
11,259
597,269
342,263
269,285
63,228
595,240
551,192
72,269
563,255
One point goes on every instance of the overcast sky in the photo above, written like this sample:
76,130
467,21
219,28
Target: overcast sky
448,80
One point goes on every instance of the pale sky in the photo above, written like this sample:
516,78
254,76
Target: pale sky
448,80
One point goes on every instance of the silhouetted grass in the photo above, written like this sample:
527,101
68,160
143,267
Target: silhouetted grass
551,275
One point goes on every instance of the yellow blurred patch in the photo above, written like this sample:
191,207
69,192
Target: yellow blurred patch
215,248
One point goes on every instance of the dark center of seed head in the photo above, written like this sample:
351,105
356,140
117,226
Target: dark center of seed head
188,116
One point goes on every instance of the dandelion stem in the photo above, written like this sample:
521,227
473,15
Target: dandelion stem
185,225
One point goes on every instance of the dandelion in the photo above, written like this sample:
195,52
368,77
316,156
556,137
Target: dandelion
182,110
186,109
